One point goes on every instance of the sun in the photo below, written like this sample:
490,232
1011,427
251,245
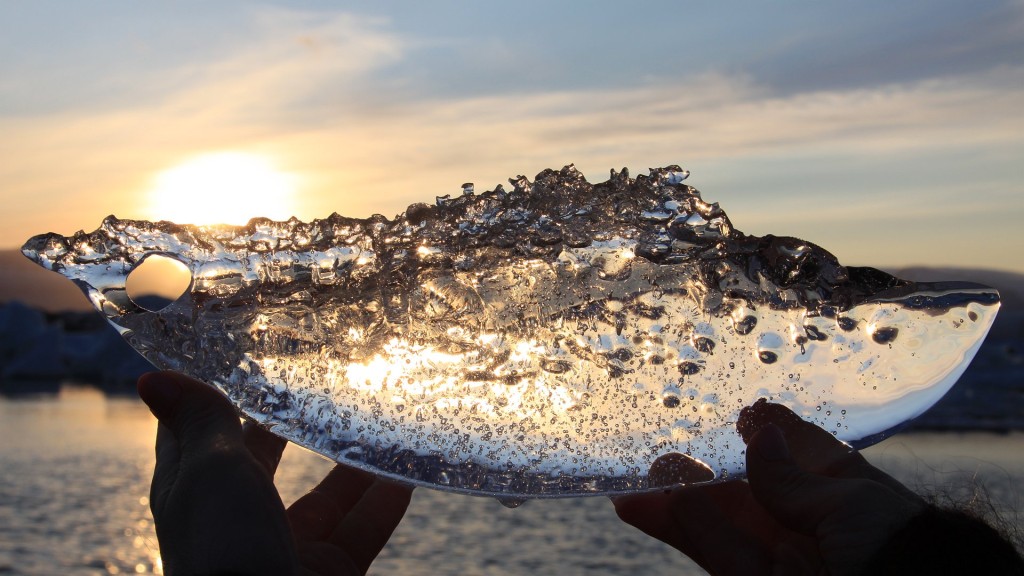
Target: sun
222,188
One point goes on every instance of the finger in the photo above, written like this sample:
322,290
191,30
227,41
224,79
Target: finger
813,448
724,528
702,522
370,523
263,445
718,526
797,498
197,415
675,469
216,509
735,534
315,515
168,462
170,398
651,514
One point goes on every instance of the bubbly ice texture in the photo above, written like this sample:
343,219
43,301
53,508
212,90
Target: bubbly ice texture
555,339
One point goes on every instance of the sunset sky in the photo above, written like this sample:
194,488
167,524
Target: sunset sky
890,133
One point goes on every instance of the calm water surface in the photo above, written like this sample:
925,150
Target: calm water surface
75,469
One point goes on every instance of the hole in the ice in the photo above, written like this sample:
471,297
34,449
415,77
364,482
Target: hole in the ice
157,281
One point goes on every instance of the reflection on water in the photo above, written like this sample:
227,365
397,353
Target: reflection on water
75,469
74,483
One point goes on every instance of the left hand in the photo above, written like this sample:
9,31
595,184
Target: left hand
215,506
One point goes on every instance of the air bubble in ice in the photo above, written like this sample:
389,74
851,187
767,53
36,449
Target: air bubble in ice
885,334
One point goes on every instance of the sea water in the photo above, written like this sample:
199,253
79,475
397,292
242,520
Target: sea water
74,485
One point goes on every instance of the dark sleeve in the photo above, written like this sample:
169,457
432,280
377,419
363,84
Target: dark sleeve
940,541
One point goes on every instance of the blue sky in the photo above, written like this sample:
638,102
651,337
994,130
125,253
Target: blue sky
888,133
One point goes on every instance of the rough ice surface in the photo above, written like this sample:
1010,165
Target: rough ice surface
553,339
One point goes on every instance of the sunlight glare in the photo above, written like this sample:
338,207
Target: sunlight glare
222,188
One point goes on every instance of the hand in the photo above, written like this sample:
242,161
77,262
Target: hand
811,505
215,506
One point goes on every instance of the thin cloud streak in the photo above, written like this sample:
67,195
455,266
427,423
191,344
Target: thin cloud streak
726,120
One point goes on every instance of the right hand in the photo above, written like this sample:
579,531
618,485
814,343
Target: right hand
811,505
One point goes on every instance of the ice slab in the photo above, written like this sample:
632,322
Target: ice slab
555,339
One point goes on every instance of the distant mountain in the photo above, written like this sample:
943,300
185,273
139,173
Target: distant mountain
22,280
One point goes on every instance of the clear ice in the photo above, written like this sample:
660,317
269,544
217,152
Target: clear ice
555,339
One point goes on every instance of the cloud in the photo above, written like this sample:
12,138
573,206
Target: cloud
68,163
713,117
297,65
93,58
859,45
326,95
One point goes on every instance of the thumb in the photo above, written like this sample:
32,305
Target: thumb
214,506
197,415
797,499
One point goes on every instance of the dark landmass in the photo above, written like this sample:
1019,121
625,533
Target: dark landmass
39,349
49,334
24,281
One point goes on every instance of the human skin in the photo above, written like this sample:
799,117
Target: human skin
215,506
810,505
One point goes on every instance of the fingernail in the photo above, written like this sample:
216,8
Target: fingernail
771,444
159,392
